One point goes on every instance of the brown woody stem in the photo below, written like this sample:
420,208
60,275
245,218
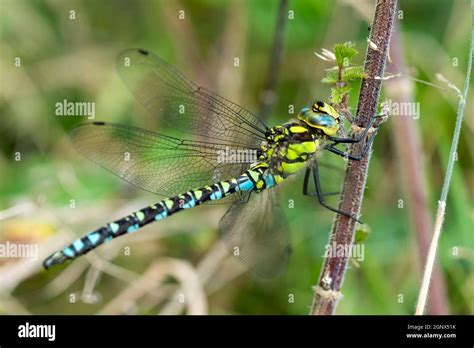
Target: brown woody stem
327,291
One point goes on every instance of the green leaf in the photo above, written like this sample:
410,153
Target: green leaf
332,76
344,53
362,233
338,93
353,73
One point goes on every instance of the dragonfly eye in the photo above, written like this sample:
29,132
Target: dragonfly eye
321,116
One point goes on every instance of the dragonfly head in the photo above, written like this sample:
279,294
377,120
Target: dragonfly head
321,116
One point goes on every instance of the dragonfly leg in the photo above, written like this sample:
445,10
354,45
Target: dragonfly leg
319,193
305,187
363,134
331,193
357,139
358,157
244,198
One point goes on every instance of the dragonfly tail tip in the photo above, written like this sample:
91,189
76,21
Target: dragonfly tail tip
54,259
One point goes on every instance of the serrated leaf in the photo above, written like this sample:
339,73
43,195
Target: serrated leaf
345,52
332,76
353,73
338,93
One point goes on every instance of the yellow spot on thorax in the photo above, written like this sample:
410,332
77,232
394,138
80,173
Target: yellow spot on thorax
298,129
308,147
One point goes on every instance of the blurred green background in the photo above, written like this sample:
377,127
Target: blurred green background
149,272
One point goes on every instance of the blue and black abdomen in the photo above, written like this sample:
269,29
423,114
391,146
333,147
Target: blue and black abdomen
254,179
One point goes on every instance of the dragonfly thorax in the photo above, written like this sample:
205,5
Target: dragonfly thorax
288,148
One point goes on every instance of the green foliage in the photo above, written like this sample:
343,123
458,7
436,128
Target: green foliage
343,73
338,94
353,73
332,76
362,233
344,53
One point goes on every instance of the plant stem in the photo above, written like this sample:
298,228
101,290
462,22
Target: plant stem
327,291
423,295
268,98
410,162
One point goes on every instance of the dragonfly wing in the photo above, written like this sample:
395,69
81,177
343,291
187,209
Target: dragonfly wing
257,233
154,162
179,103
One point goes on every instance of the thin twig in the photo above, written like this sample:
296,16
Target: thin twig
10,304
268,96
19,209
410,162
327,291
65,279
205,270
193,294
430,261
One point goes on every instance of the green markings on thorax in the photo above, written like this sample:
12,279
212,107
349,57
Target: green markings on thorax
289,147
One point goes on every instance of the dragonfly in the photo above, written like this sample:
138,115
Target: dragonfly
229,154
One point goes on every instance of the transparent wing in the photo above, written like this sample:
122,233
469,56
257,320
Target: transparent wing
179,103
257,233
154,162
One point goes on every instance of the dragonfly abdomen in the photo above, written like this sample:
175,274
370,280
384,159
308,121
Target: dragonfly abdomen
255,179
